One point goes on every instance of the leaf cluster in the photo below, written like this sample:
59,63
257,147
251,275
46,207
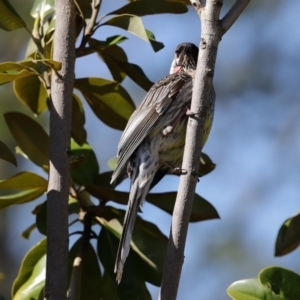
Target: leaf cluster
91,195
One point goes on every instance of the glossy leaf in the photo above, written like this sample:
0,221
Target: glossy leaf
150,7
202,210
109,100
250,289
21,188
87,169
42,8
87,272
134,25
132,285
288,238
6,154
32,93
282,282
9,19
117,62
30,136
78,131
32,265
13,71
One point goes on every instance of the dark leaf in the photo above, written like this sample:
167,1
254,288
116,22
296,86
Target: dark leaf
202,209
26,233
281,282
6,154
206,165
29,281
134,25
30,136
288,238
9,19
108,288
87,169
86,277
151,7
85,7
103,179
78,131
32,93
21,188
132,285
109,100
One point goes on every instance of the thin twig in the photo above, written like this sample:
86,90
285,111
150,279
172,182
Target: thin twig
232,15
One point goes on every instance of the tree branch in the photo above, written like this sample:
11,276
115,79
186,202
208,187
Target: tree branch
233,14
211,34
59,171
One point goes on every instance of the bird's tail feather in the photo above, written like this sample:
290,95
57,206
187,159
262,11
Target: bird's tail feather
135,199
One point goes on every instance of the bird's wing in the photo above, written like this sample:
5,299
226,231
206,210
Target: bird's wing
155,103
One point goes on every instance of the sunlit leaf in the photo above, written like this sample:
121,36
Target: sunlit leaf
32,93
78,132
288,238
150,7
134,25
87,169
109,100
21,188
9,19
31,274
250,289
30,136
6,154
87,272
42,8
282,282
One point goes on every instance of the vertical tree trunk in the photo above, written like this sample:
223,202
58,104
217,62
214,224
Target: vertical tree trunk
212,30
59,175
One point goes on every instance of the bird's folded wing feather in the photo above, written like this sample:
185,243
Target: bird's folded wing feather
155,103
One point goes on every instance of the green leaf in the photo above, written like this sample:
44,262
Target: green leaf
21,188
78,132
134,25
206,165
12,71
31,274
116,60
104,179
288,238
87,281
108,288
282,282
87,170
6,154
85,7
109,100
132,285
250,289
42,8
30,136
32,93
150,7
202,210
9,19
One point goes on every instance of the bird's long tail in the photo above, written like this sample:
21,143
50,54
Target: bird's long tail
136,198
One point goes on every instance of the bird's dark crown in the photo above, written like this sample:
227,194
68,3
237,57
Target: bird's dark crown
186,55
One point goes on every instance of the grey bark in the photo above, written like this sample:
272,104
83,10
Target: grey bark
212,30
59,172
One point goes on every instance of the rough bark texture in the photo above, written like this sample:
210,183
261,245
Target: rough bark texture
211,34
59,175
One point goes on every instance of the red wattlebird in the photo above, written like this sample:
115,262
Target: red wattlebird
153,140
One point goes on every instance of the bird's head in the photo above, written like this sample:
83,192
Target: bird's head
185,58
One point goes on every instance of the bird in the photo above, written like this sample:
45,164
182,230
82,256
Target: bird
152,143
